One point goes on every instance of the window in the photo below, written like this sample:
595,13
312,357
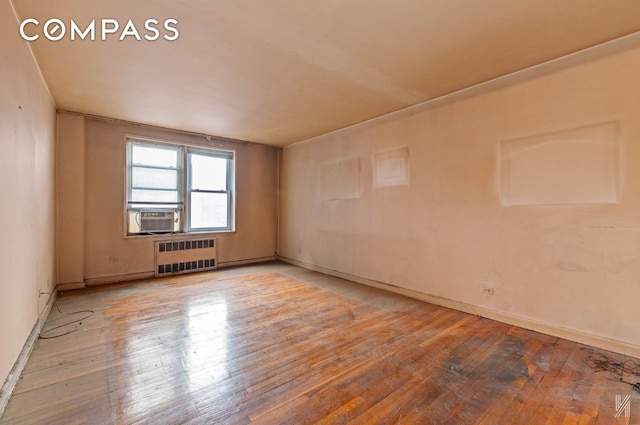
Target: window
208,188
174,188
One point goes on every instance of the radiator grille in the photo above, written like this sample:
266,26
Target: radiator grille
185,256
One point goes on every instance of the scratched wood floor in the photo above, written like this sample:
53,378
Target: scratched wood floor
277,344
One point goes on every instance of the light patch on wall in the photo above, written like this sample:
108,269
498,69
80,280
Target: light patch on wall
576,166
340,180
391,168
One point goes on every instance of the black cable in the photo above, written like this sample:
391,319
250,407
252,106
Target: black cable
602,363
44,333
636,386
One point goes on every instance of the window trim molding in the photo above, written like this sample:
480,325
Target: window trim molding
186,147
180,169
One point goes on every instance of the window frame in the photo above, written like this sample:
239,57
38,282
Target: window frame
179,170
182,206
229,156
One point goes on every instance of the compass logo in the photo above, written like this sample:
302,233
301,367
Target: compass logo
56,29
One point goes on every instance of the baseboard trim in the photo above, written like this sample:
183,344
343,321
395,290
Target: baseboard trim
120,278
247,261
95,281
14,375
526,323
70,286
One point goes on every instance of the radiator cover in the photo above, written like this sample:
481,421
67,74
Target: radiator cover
185,256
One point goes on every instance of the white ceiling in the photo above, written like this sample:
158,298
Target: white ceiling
282,71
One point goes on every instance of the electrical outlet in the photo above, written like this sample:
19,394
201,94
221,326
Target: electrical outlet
488,291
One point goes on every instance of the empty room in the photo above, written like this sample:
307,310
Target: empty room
336,212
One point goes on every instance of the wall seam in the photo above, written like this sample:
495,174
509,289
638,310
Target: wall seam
33,56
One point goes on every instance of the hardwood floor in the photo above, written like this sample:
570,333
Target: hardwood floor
277,344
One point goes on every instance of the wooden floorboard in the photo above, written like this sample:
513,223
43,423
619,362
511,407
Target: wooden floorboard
277,344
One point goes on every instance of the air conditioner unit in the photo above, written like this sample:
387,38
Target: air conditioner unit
157,221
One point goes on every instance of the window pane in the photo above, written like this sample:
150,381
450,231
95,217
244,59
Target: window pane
154,178
208,172
208,210
154,156
142,195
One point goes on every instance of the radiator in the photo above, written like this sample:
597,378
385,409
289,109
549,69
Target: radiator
185,256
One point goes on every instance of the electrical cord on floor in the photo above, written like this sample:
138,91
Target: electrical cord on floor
636,386
89,313
601,363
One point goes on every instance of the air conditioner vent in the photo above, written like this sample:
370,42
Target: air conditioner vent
157,221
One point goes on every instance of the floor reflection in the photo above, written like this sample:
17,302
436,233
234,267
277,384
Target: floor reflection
159,364
206,344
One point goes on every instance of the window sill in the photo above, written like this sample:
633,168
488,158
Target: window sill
180,235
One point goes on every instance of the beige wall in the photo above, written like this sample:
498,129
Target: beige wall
91,229
450,232
70,198
27,191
